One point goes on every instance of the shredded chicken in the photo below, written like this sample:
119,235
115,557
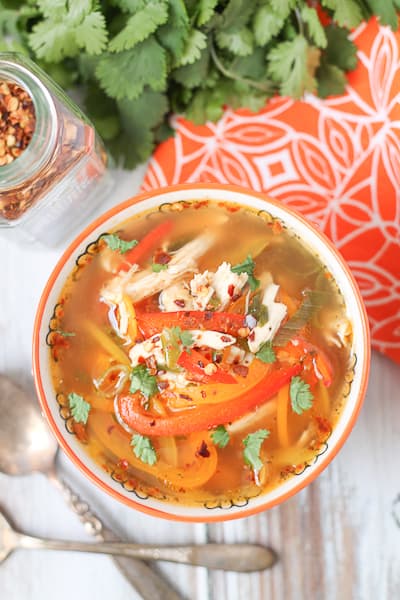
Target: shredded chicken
227,284
201,290
276,313
337,330
146,283
211,339
176,297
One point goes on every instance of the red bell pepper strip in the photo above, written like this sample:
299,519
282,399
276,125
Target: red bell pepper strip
152,323
204,417
195,364
146,245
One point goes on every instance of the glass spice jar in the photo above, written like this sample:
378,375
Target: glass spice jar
53,166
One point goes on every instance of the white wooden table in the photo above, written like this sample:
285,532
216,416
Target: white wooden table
337,539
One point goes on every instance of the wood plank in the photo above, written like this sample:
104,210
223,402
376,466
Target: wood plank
338,538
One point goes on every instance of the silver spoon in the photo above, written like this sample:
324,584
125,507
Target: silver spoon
242,558
27,446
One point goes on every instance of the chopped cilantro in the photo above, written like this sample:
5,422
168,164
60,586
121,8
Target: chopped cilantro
142,381
247,266
65,333
79,408
266,353
114,242
258,310
252,446
157,267
143,449
178,335
220,436
300,395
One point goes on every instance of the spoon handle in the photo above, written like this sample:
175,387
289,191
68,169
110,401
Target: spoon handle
242,558
147,582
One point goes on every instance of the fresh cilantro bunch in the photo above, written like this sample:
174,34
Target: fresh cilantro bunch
139,61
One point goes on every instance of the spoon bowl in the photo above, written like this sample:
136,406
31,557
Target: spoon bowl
27,444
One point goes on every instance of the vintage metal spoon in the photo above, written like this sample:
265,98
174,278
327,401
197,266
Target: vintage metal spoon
243,558
28,446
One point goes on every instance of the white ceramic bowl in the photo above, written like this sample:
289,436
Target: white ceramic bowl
318,243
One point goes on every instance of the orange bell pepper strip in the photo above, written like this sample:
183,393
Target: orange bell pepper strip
146,245
195,365
317,365
204,417
215,393
152,323
193,469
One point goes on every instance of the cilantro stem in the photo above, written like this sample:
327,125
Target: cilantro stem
267,87
299,21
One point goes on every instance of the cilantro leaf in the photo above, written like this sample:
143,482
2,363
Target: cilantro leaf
386,11
125,74
220,436
247,266
114,242
283,6
178,335
266,353
236,15
345,12
195,43
266,24
157,267
331,80
239,42
315,29
252,446
193,75
66,28
258,310
140,25
138,118
174,33
142,381
293,64
205,11
300,395
79,408
143,449
341,51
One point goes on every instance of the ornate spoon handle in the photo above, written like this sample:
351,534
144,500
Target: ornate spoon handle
149,584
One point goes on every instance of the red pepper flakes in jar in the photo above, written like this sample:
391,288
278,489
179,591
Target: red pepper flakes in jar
52,163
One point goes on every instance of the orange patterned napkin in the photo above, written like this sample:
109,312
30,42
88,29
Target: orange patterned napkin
337,161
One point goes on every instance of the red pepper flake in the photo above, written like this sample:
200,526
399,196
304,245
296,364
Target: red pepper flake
323,425
203,450
252,335
161,257
201,364
185,397
123,464
162,385
110,429
156,338
208,315
231,290
225,338
152,423
203,394
180,302
240,370
151,364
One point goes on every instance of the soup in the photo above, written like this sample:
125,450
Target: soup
201,353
